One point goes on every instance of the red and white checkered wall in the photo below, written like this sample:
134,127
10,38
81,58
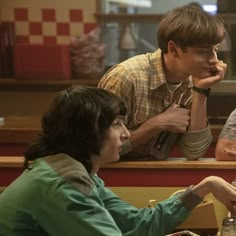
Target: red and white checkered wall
49,21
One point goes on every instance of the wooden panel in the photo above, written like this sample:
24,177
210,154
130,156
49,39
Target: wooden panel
32,97
42,85
170,173
11,161
174,163
19,129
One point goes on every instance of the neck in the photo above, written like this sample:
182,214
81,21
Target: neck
95,164
172,74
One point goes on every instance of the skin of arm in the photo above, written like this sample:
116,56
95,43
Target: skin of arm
225,150
174,119
226,143
222,190
199,102
198,119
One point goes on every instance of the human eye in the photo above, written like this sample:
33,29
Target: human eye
117,123
204,51
216,49
207,52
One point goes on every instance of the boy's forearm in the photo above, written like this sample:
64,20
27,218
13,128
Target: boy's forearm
198,112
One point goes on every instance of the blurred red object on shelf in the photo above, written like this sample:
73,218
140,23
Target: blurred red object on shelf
42,62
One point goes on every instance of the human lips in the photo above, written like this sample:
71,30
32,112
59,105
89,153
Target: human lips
213,71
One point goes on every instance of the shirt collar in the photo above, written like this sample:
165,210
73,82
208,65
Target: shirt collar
158,75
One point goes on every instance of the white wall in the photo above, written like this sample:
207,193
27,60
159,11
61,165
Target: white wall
162,6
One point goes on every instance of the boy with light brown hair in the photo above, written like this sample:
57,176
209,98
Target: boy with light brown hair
166,91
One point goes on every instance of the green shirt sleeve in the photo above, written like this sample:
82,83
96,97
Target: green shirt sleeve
161,220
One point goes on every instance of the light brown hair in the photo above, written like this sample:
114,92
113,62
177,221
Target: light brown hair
190,26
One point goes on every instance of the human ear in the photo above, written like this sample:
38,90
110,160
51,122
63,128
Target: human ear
172,49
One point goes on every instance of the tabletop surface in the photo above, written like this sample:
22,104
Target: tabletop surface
171,163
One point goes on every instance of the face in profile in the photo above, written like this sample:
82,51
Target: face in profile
200,62
114,138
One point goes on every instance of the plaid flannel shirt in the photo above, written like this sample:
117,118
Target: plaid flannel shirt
141,82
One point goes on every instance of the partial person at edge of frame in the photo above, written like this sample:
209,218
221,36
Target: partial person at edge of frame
166,91
60,193
226,143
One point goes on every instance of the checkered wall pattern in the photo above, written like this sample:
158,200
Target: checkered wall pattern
49,26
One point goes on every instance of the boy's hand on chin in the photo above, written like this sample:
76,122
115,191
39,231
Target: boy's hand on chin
218,75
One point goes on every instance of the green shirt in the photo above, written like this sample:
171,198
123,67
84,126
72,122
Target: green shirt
58,197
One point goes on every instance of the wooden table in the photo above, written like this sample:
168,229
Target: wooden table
170,173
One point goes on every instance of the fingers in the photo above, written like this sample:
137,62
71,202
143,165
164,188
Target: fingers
175,118
230,151
231,206
210,81
221,189
221,69
218,71
228,196
221,64
233,209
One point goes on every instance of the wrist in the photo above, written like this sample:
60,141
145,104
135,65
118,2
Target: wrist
157,123
202,188
203,91
190,199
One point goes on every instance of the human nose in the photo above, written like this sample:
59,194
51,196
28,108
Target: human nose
125,134
213,58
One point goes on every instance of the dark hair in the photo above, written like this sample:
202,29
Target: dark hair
190,26
76,124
